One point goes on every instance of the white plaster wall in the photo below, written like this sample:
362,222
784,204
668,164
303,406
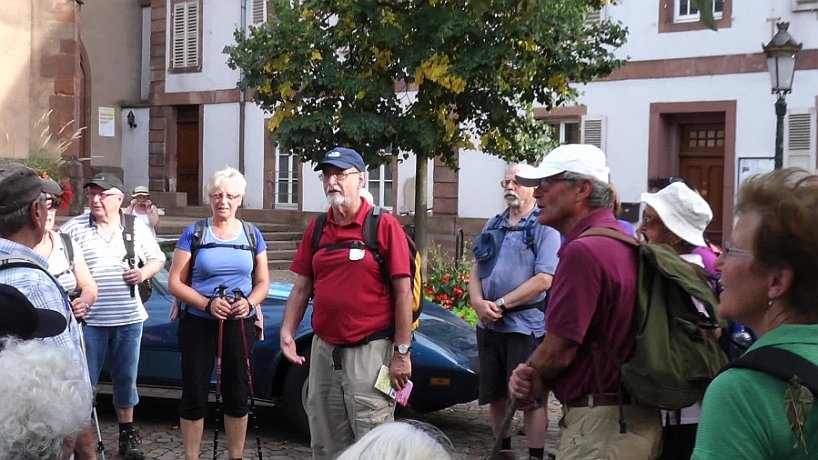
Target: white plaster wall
749,29
221,139
479,189
134,148
626,105
313,197
254,132
220,19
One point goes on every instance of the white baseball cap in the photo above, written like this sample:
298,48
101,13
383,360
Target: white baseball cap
584,159
683,211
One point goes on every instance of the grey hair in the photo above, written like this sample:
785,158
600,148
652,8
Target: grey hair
227,174
44,398
404,440
602,195
13,221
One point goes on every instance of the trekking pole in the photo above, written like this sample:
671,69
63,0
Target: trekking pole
494,454
251,394
222,295
100,444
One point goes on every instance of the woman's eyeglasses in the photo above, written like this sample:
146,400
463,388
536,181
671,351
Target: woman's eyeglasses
730,251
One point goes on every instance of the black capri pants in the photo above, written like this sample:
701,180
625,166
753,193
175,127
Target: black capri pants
198,341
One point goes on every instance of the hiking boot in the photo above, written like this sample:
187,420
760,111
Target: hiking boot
129,442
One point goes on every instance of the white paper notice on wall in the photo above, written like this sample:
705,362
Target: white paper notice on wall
107,122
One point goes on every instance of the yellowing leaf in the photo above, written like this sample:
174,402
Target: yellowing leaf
315,56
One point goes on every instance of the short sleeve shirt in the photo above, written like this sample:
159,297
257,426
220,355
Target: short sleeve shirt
351,299
517,262
105,256
593,297
221,265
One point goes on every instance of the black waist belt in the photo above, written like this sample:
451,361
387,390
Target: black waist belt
538,305
387,333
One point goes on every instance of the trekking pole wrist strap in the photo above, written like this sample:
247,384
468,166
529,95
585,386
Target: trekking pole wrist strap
209,304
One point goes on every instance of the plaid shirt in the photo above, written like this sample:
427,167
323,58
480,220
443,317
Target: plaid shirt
43,292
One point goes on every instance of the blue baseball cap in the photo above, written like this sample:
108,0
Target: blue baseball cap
343,158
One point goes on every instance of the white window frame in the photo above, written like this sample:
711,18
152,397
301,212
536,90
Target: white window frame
679,16
185,47
381,172
560,124
287,174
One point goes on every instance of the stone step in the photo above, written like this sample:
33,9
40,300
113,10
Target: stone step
280,254
284,245
279,264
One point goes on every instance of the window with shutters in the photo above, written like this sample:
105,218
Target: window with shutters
258,12
565,131
804,5
799,139
592,130
380,185
186,39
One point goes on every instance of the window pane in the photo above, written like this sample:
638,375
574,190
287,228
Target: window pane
375,190
685,8
572,133
387,194
718,6
294,198
374,174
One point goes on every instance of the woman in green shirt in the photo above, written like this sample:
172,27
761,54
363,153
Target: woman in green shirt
770,283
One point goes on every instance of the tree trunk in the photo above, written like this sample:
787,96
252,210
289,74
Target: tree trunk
421,168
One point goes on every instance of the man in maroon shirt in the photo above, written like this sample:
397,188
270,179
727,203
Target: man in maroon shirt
356,317
589,317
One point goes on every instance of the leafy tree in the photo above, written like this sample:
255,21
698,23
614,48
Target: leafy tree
427,77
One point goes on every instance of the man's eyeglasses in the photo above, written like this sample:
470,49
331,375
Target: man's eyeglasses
101,195
730,251
547,182
337,176
504,183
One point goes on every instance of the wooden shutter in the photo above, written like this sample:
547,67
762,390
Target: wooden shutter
799,139
804,5
185,35
595,16
259,12
592,130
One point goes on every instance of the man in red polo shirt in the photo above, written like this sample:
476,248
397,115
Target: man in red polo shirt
360,323
592,302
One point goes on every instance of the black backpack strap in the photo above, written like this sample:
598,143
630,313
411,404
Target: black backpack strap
128,239
252,241
779,363
320,222
371,222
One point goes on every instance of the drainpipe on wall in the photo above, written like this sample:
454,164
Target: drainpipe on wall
242,100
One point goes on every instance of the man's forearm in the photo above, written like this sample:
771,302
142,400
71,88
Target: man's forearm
403,310
528,291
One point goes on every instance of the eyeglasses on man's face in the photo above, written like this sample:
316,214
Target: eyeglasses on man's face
504,183
547,182
339,177
729,251
102,195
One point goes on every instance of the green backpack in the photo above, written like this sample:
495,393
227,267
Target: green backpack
677,353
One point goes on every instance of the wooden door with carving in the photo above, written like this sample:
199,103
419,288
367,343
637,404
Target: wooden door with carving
701,163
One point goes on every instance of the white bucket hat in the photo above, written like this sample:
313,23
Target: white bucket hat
683,211
582,159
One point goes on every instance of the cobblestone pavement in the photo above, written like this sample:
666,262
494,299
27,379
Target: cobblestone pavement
466,425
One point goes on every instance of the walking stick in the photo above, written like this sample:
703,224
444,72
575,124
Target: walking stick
218,379
100,444
251,394
495,453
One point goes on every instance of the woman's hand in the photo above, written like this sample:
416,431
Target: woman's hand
220,308
79,307
241,308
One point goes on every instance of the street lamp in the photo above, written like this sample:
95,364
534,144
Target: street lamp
782,52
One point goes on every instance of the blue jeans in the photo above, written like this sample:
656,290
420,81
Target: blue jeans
123,343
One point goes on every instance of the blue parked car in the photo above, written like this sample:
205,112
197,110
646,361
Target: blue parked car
444,356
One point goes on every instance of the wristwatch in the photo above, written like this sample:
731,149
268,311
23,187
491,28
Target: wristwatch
403,349
501,303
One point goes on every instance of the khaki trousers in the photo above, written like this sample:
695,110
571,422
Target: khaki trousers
591,433
342,404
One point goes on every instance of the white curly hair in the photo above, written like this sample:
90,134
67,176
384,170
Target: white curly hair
44,399
404,440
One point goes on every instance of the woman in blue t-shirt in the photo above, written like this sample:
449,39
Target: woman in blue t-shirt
219,292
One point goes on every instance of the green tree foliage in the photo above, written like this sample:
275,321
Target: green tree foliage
426,77
328,72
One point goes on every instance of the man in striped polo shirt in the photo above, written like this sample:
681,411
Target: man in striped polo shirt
114,322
